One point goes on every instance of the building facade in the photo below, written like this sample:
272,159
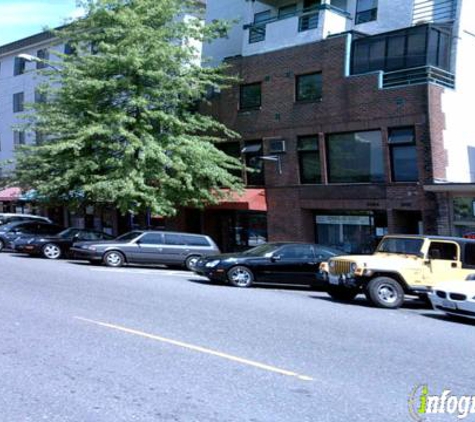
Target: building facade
348,111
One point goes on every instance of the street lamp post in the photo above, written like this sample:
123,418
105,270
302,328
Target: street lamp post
34,59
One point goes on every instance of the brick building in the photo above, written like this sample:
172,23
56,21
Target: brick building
349,112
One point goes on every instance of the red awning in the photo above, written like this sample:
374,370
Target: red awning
10,194
250,200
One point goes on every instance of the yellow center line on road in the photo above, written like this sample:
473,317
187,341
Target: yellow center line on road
199,349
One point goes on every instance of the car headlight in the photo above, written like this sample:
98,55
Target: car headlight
212,264
353,267
332,264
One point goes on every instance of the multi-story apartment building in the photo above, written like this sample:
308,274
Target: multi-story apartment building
355,114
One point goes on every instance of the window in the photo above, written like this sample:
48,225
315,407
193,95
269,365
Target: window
355,157
250,96
469,255
195,240
443,251
19,66
174,239
309,87
69,49
403,155
39,137
43,55
309,19
311,4
18,102
287,11
309,160
296,252
18,138
366,11
253,152
40,96
151,239
257,31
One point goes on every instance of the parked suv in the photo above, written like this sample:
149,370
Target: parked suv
402,264
148,247
11,217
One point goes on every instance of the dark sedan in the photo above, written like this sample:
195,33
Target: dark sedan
54,247
11,231
289,263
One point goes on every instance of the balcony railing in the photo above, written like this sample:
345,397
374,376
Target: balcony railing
418,75
296,28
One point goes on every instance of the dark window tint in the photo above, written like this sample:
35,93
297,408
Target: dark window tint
470,254
403,155
366,11
43,56
396,48
355,157
309,87
309,160
416,48
152,239
195,240
325,253
443,251
19,66
296,252
257,32
252,153
250,96
288,10
174,239
18,102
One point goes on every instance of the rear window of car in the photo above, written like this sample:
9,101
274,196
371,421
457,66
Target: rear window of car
195,240
469,254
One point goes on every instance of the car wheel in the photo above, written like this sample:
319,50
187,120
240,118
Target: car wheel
51,251
342,294
114,259
191,262
240,276
385,292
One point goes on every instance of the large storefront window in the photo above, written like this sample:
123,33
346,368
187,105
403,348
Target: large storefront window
355,157
351,232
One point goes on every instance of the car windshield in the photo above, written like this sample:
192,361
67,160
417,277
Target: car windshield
129,236
261,250
398,245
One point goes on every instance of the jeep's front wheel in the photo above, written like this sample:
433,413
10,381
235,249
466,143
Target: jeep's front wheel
385,292
342,294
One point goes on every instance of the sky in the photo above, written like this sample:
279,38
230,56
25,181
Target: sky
22,18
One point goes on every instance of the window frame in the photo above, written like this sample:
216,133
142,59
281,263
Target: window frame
361,15
18,102
402,145
258,104
303,152
299,78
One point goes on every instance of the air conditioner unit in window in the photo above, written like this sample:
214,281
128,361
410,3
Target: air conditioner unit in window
277,146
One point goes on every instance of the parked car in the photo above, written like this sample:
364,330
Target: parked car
290,263
402,264
56,246
148,247
455,298
6,218
9,232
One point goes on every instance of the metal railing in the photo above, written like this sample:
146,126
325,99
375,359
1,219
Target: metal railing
419,75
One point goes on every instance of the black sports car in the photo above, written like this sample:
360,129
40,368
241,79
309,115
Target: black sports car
289,263
54,247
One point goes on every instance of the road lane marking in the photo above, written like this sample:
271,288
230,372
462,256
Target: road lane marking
198,349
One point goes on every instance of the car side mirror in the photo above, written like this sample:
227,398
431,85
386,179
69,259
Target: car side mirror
275,258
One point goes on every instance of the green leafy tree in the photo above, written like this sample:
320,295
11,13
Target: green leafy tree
120,124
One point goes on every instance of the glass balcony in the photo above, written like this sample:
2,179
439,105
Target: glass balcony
300,27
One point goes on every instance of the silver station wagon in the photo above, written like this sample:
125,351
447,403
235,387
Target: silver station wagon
148,247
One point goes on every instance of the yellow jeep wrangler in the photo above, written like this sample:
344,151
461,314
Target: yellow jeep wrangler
401,264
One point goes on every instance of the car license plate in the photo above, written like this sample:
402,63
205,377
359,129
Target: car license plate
449,305
334,279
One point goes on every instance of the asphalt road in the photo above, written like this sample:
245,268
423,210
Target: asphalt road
87,343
